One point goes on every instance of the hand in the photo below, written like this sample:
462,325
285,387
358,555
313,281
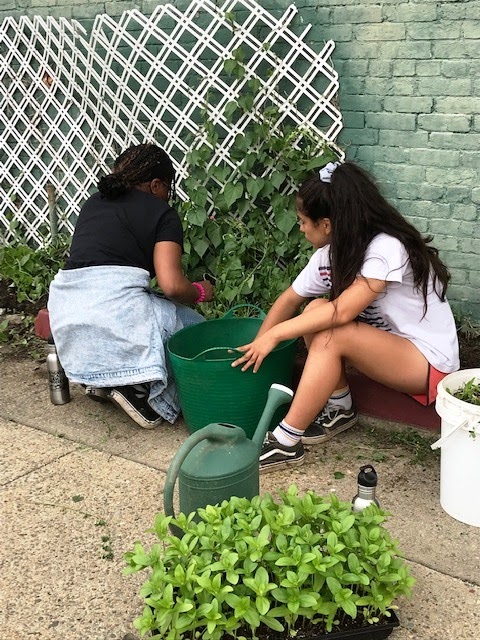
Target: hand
255,352
208,288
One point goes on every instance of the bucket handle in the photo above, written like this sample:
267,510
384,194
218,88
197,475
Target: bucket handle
228,349
439,443
261,314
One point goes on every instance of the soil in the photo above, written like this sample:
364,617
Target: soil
469,345
358,629
354,629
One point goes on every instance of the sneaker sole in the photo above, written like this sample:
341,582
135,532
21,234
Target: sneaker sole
284,464
132,413
332,434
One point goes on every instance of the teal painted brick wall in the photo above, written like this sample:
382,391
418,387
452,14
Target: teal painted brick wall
409,94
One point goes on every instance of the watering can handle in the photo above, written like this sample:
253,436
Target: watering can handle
228,349
211,432
439,443
261,314
174,468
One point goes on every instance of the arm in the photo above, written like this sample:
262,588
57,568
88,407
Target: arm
343,310
284,308
167,259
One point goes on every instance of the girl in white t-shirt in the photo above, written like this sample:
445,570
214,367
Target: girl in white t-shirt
384,310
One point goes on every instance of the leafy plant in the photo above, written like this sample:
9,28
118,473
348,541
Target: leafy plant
18,332
29,271
467,327
239,218
468,392
247,566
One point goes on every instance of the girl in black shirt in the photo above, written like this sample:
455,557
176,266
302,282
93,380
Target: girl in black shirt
100,304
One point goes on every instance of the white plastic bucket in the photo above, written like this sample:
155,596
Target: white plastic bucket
460,444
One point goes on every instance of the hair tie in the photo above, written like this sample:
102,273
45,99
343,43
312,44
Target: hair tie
325,173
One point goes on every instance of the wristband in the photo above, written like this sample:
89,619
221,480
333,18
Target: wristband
201,292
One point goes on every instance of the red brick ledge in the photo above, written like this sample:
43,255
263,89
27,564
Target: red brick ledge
378,401
42,325
375,400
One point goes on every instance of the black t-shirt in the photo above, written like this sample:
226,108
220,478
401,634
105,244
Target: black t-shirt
123,231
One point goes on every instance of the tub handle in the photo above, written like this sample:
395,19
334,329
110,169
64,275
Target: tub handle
232,350
439,443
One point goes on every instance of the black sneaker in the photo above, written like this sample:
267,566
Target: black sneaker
329,422
278,456
134,401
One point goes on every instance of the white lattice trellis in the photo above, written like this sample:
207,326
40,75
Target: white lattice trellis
70,102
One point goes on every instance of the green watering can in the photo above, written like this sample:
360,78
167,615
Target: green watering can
219,461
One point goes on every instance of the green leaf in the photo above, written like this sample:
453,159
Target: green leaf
254,186
308,601
230,109
349,607
77,498
390,578
285,221
197,217
199,199
338,475
200,245
262,604
278,178
334,585
233,191
214,234
272,622
233,68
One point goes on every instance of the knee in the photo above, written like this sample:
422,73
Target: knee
314,304
335,339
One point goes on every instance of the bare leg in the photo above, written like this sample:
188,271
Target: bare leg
342,382
382,356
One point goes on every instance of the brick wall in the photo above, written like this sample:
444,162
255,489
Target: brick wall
410,85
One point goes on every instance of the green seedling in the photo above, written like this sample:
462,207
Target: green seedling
301,563
468,392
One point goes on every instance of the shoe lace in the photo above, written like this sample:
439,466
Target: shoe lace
326,412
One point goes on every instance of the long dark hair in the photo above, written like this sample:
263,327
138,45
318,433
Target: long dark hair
358,212
137,164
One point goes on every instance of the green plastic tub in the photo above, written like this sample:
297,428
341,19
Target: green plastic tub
209,388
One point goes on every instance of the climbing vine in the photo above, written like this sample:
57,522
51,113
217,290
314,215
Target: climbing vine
240,218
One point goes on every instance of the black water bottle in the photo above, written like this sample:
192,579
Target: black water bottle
367,485
57,380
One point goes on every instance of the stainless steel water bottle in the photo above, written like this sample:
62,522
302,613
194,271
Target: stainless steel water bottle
367,485
57,380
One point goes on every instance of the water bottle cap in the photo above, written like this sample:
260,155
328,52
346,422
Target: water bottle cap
367,476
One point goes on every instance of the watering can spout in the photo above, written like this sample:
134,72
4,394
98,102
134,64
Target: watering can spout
278,394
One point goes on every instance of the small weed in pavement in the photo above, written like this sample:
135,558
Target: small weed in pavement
106,540
107,548
99,522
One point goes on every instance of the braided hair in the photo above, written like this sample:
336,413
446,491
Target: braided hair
358,212
136,165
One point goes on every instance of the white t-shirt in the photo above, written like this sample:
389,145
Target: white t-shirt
400,308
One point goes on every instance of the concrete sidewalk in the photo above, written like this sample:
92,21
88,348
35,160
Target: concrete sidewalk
81,483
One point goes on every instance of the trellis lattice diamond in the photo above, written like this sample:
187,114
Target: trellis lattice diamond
71,101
